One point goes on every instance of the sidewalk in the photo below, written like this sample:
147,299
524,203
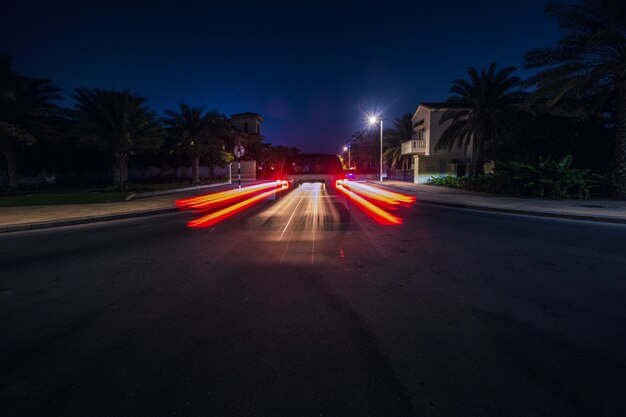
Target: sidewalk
13,219
612,211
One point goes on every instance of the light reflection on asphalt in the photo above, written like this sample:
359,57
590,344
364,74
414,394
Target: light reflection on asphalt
299,217
308,208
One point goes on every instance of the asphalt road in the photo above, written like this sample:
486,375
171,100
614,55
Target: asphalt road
280,312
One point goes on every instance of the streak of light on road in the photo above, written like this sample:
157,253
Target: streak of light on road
217,216
307,208
378,214
316,206
303,212
375,194
213,199
299,217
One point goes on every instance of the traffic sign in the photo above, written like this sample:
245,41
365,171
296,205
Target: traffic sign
239,151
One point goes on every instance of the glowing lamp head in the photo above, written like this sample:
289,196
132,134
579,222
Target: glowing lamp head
345,148
373,119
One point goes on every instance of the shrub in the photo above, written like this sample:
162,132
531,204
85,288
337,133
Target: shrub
447,181
548,179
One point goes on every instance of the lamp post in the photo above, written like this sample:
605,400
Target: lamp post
374,120
347,148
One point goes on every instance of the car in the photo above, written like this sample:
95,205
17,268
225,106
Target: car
324,169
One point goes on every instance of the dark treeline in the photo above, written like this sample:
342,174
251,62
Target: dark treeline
108,132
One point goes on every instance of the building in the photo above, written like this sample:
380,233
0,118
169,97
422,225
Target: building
426,161
245,130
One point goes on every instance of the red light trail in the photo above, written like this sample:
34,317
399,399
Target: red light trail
256,192
210,200
372,200
363,196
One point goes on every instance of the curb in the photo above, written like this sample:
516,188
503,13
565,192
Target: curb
85,220
133,196
587,217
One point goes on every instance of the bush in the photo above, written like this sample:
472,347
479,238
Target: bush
548,179
448,181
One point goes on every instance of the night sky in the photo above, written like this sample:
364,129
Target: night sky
311,69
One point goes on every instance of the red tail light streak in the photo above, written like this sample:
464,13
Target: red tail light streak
384,197
365,196
254,194
211,200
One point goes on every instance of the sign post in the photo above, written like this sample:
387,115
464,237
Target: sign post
239,151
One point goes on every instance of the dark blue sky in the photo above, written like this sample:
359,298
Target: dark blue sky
312,69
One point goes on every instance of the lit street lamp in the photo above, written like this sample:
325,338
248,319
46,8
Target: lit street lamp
374,120
347,148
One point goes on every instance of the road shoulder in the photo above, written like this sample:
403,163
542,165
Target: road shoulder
609,211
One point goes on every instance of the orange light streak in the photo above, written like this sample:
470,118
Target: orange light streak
216,217
377,194
209,200
381,216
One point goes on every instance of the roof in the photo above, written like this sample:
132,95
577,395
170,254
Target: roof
434,106
247,115
441,105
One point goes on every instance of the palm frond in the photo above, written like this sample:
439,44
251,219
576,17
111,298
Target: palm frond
117,121
480,106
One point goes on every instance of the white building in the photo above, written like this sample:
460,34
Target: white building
427,162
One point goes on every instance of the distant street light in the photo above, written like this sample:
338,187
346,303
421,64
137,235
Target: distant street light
374,120
347,148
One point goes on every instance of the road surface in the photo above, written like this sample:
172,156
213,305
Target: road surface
303,308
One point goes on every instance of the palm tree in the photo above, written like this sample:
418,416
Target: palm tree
479,110
589,60
117,122
196,133
26,108
401,132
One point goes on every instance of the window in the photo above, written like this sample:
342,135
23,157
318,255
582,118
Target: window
245,127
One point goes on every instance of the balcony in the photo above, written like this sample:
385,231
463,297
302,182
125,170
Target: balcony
412,147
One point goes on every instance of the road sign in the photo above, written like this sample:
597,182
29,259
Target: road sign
239,151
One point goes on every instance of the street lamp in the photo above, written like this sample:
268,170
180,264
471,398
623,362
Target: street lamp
374,120
347,148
